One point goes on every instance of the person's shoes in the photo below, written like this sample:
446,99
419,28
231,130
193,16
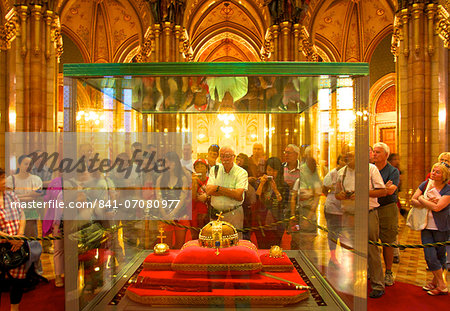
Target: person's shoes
437,292
429,286
389,278
396,259
376,293
59,281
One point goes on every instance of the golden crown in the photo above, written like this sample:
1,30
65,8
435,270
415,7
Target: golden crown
218,234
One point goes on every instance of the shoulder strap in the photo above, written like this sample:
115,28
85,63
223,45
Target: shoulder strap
14,182
343,178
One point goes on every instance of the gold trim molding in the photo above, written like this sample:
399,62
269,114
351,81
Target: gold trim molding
396,35
298,32
306,47
443,25
9,30
147,50
55,34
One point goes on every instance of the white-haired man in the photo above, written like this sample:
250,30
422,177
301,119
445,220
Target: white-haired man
291,164
186,161
388,211
226,185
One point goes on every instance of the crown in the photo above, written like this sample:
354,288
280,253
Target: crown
218,234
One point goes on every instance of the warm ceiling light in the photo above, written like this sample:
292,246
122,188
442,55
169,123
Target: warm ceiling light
226,118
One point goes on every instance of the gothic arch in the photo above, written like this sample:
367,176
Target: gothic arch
353,27
327,47
387,31
105,29
380,121
254,9
209,23
127,48
78,42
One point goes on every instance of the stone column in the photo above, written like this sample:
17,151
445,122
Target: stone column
165,43
289,42
30,55
422,97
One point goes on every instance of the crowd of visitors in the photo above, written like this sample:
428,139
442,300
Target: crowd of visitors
247,191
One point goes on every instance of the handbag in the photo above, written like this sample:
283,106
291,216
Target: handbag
11,260
417,217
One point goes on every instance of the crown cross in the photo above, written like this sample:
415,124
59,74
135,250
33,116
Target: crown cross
161,236
219,216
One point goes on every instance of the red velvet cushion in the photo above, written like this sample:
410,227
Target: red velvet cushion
160,262
240,259
259,289
271,264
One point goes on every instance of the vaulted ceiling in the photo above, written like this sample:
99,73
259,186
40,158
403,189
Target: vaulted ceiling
105,30
226,30
112,30
349,30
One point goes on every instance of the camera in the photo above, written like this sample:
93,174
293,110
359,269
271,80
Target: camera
348,194
269,177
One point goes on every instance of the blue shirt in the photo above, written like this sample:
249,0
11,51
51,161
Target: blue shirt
441,218
390,173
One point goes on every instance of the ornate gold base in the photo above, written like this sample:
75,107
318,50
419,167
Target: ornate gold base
217,300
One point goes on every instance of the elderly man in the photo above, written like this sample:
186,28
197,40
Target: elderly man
388,210
226,185
345,192
186,161
291,164
257,161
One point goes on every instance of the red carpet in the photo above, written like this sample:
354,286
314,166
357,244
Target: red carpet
409,297
46,297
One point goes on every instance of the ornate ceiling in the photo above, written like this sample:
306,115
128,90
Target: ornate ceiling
226,30
111,30
349,30
105,30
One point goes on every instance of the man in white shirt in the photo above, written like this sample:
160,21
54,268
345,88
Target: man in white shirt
345,192
186,160
226,185
291,164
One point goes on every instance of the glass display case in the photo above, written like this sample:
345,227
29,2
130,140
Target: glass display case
289,125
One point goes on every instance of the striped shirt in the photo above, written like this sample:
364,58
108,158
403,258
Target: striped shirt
290,176
10,224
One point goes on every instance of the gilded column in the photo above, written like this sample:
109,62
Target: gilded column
421,66
168,34
176,50
276,43
36,74
31,56
157,31
296,42
286,38
8,31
